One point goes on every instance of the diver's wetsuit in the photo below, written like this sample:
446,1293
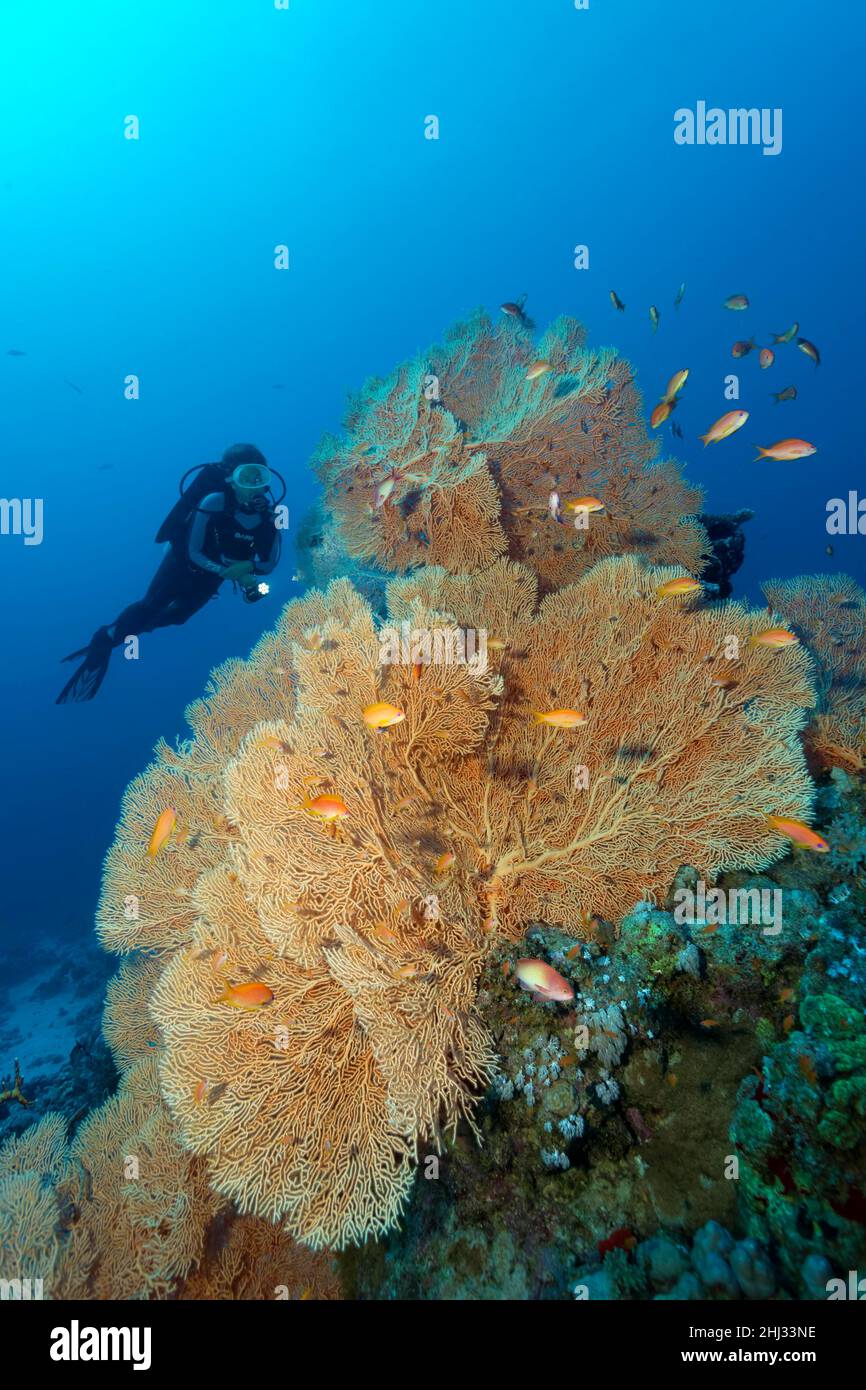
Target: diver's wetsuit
220,533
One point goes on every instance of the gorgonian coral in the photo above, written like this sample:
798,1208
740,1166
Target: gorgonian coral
454,457
125,1211
460,824
252,1259
828,611
32,1165
142,1202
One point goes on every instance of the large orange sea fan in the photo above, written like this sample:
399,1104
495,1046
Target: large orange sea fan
463,823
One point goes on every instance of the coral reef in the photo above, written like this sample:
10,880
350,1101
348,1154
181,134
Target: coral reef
828,611
608,1162
311,1110
248,1258
330,1083
453,458
32,1167
800,1122
124,1211
712,1266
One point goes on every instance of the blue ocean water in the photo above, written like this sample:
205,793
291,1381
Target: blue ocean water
305,126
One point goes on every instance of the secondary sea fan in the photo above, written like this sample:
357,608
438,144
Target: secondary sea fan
453,458
828,611
463,823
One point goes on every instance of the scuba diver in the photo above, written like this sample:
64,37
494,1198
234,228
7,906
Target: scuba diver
222,527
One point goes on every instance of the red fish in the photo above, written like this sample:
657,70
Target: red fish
623,1238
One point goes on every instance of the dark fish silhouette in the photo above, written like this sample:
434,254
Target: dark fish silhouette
16,352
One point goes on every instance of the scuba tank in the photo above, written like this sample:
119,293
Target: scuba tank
211,477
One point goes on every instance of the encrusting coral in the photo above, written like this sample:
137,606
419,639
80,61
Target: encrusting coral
463,823
453,458
828,611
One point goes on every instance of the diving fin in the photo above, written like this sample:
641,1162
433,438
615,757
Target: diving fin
89,676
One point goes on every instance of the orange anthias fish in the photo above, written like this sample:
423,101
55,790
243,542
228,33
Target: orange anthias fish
736,301
249,996
677,588
162,830
788,394
661,413
269,741
766,358
559,718
583,504
538,369
616,301
743,347
676,384
383,933
382,715
444,862
326,807
787,449
199,1093
775,637
545,984
726,425
799,833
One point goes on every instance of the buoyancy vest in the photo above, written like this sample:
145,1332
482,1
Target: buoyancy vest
229,537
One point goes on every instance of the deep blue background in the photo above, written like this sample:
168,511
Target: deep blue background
306,127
